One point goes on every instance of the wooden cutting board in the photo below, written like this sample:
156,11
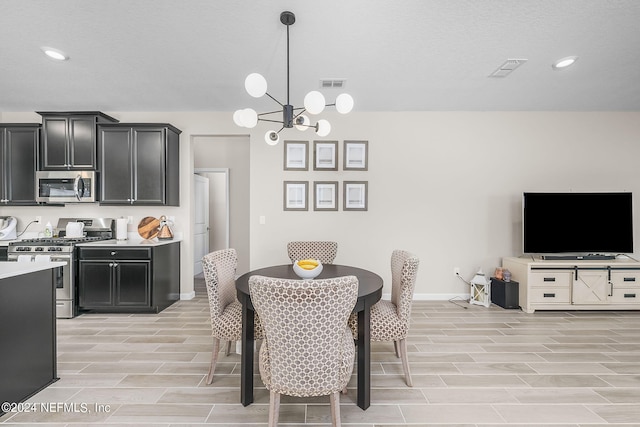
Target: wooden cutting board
148,227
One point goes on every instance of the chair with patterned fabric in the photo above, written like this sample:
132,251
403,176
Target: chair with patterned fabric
323,251
308,349
226,311
390,319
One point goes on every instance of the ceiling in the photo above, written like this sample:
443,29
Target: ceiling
402,55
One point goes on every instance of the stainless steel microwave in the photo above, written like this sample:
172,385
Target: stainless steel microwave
66,186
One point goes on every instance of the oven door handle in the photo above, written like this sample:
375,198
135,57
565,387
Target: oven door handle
78,187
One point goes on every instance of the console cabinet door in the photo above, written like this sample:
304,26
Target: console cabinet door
591,287
18,164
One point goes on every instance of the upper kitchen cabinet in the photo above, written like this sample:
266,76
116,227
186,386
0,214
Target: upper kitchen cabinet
18,163
139,164
69,139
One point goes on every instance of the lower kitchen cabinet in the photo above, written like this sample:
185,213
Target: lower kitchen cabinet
117,279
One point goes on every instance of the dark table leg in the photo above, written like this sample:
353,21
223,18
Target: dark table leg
246,358
364,358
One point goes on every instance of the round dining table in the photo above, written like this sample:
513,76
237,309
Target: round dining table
369,292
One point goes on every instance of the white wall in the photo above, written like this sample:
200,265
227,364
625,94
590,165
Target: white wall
445,185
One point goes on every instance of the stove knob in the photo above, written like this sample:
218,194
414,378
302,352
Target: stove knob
39,249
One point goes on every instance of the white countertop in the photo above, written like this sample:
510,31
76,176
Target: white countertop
12,268
129,243
113,242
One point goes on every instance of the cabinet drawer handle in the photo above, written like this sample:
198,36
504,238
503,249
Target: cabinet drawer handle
113,252
549,295
629,279
629,295
549,279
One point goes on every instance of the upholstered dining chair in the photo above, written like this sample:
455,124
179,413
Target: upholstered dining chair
324,251
390,319
226,311
307,349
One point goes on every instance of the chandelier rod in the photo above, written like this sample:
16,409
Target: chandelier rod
287,23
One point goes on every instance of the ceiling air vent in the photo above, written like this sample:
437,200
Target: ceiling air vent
507,67
332,83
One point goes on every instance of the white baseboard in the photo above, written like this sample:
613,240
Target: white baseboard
433,297
188,295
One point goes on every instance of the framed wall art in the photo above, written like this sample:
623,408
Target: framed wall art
355,196
356,155
325,155
325,195
295,195
296,155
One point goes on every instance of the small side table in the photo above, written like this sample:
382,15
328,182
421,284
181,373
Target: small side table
505,294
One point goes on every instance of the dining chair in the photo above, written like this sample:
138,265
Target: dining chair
324,251
308,349
226,311
390,319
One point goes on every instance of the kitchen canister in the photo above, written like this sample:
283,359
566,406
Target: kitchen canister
121,228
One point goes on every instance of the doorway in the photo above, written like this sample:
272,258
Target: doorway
211,219
231,154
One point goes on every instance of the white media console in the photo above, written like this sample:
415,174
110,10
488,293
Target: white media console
612,284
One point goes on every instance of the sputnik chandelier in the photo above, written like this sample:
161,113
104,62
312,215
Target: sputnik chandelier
314,103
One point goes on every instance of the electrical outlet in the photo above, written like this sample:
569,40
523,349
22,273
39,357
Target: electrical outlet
456,271
38,219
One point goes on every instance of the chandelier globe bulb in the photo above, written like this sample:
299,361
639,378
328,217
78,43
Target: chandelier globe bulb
249,118
314,102
302,122
237,118
344,103
272,137
256,85
323,128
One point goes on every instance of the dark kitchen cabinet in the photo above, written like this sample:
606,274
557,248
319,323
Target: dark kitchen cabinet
69,139
18,163
124,279
139,164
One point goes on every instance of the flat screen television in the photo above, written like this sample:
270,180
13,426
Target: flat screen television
577,223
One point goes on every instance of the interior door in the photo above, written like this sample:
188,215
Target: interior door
201,221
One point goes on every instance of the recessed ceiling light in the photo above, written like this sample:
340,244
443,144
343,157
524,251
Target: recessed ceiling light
55,53
564,62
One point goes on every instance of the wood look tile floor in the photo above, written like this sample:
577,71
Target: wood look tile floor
472,366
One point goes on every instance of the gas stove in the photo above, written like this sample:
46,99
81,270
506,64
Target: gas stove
63,248
52,244
96,229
